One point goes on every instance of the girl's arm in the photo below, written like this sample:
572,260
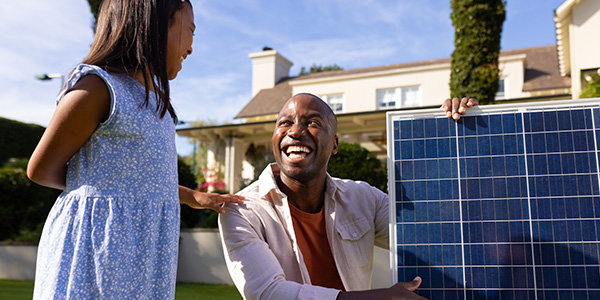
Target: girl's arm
75,118
195,199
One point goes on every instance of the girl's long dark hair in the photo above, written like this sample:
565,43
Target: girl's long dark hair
131,36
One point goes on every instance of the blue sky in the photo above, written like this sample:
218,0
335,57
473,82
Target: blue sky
40,36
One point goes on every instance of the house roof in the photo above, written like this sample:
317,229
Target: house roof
541,73
541,68
268,101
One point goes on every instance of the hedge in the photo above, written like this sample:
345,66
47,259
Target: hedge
24,205
18,139
355,162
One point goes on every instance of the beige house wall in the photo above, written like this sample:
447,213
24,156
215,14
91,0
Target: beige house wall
360,92
512,70
584,41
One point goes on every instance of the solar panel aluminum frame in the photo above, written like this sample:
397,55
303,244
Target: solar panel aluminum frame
525,107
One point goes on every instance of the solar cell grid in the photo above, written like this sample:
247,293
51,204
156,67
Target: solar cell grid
503,204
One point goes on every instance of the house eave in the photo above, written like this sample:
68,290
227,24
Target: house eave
562,21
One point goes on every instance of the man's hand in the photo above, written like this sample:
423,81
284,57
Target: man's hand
404,290
398,291
199,200
455,107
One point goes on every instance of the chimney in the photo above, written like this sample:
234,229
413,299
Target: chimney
268,67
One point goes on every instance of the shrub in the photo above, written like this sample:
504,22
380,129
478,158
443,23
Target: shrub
592,90
24,205
355,162
18,139
191,217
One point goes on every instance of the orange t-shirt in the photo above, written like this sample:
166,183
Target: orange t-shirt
312,240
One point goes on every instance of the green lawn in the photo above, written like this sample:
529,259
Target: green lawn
17,290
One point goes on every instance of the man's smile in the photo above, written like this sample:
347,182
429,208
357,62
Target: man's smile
297,151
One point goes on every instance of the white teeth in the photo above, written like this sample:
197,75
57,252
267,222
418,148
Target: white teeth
181,59
298,149
296,155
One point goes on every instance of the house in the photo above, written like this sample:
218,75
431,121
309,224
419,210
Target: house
361,97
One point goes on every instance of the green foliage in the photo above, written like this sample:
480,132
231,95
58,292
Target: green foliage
18,139
190,217
474,65
318,68
355,162
592,90
17,163
24,205
94,8
184,171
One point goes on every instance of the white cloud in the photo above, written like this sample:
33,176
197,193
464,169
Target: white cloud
38,37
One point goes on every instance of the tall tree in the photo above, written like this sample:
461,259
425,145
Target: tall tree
94,7
474,65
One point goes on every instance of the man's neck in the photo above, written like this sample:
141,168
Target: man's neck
308,196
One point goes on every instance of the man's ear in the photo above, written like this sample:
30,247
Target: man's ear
335,145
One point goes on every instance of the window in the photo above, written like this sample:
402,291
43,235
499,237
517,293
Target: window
336,102
501,92
398,97
589,76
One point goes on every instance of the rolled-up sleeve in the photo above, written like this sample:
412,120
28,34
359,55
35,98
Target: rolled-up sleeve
382,219
254,268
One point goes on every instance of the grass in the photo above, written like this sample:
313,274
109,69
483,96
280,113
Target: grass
189,290
17,290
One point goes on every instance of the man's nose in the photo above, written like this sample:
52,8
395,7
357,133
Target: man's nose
296,130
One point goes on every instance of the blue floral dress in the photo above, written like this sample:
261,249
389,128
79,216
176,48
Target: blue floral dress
114,231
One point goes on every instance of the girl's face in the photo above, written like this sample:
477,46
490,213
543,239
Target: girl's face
179,39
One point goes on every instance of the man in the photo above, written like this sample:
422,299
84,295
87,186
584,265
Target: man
302,234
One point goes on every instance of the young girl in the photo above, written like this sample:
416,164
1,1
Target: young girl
113,233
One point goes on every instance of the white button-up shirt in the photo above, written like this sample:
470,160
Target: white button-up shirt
261,251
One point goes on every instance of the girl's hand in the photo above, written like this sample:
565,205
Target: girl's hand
199,200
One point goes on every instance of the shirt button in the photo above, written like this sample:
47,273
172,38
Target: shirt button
354,234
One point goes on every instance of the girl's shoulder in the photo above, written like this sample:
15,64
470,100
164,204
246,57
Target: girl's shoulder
80,72
102,85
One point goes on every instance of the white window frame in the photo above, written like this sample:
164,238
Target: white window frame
333,100
397,97
501,94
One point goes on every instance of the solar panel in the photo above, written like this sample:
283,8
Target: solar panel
502,204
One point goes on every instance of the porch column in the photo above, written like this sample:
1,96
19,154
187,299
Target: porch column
234,155
211,166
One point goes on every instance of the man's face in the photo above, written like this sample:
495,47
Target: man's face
304,138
